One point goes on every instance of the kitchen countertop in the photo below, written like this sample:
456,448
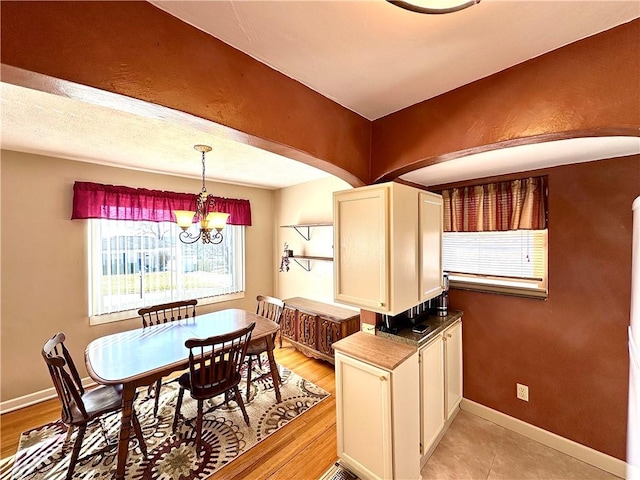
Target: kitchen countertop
436,325
373,349
388,350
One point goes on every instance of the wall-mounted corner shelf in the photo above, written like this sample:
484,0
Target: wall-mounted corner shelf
308,259
300,228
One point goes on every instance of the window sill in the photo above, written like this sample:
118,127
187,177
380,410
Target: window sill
533,293
132,314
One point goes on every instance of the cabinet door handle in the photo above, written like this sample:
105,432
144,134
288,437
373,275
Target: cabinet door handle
383,378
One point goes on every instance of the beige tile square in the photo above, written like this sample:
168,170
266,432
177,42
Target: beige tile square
476,449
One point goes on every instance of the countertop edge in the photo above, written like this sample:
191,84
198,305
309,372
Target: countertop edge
381,352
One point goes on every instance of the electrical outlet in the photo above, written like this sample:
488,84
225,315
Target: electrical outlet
368,328
522,392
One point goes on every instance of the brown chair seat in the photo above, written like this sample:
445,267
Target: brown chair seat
96,402
206,384
79,406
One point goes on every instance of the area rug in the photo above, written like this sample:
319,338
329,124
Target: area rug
42,453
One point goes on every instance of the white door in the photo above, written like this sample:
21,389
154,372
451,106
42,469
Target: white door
431,223
361,257
453,367
432,392
363,417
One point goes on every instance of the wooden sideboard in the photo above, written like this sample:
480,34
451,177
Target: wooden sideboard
312,327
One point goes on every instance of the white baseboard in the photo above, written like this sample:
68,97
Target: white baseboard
36,397
588,455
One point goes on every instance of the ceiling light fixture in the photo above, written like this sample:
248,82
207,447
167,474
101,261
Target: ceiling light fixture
434,6
209,220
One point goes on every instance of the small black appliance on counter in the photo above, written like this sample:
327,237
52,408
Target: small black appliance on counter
415,315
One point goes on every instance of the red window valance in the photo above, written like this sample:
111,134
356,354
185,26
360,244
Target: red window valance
517,205
94,200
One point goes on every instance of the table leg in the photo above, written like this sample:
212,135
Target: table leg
273,366
128,394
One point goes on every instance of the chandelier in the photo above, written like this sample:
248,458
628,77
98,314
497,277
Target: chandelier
434,6
209,220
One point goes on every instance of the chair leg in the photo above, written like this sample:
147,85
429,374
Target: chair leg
76,450
249,363
239,401
177,414
70,430
280,337
155,406
138,430
199,427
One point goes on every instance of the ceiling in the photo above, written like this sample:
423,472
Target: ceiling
369,56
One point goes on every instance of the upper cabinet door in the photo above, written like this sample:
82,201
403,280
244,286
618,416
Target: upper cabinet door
431,223
361,244
380,232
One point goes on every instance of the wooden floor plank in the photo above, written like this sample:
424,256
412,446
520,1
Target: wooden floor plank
301,450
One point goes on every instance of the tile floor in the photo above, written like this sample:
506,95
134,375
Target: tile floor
474,448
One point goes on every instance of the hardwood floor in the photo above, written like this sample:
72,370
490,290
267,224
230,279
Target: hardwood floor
302,450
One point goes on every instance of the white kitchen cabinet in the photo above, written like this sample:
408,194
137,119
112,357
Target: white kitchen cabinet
431,226
377,412
432,395
387,247
452,337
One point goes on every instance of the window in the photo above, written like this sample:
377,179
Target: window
139,263
513,262
495,237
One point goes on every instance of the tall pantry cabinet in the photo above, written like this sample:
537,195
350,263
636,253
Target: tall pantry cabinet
387,247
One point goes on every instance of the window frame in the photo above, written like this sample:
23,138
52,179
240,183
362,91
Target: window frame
535,288
94,250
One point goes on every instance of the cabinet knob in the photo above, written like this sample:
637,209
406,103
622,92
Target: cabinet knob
383,378
381,304
449,335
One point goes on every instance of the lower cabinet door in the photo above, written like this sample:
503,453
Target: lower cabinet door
453,367
432,392
363,411
329,332
289,323
306,329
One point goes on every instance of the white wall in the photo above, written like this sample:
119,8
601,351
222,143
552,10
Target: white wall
306,203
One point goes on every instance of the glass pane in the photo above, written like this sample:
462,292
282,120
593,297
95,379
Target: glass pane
136,264
516,253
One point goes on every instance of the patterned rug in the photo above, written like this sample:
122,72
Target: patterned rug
42,454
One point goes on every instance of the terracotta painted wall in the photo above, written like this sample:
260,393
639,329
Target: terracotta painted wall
571,349
137,50
44,271
590,87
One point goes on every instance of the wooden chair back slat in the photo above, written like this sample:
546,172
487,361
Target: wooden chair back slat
168,312
270,307
214,362
65,377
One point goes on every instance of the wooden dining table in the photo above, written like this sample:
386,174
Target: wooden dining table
139,357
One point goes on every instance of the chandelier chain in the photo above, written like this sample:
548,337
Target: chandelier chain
204,189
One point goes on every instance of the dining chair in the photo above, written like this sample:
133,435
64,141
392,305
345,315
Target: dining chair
214,369
164,313
271,308
80,407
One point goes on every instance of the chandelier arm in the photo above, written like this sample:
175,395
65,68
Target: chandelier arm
212,237
186,237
